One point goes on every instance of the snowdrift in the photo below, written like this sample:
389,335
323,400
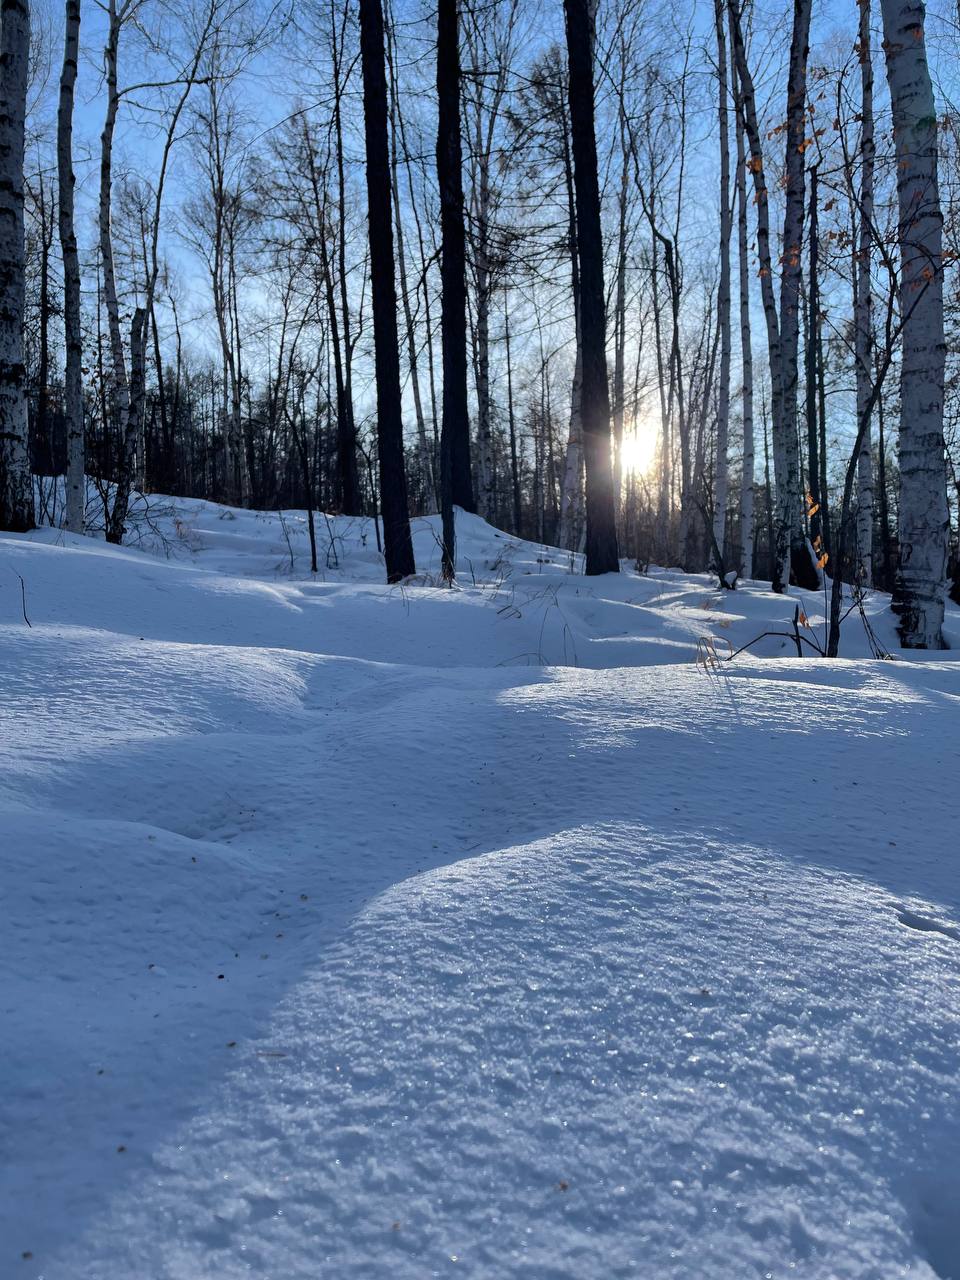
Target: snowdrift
354,931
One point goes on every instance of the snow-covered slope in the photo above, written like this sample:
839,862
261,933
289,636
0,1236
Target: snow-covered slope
345,936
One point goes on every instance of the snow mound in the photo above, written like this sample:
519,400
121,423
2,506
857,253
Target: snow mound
356,931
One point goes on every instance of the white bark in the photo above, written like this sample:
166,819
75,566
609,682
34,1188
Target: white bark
921,569
572,511
863,320
745,558
748,111
16,482
571,493
73,385
723,295
423,447
620,315
783,328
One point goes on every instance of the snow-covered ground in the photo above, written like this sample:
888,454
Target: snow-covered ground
356,932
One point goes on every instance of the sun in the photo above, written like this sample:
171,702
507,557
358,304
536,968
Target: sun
638,448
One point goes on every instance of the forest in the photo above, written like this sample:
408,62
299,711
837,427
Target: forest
222,213
479,606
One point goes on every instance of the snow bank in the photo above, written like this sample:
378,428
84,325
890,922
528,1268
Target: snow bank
344,935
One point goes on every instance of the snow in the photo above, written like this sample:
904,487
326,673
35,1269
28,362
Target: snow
353,931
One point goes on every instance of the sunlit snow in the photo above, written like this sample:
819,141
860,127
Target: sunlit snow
357,931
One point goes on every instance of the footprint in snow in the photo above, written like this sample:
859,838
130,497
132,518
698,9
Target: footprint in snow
924,924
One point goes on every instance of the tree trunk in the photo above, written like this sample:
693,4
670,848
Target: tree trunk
72,380
793,556
511,420
16,481
398,544
790,551
863,319
121,385
918,595
812,351
571,489
745,557
455,480
723,294
620,317
349,479
423,447
602,554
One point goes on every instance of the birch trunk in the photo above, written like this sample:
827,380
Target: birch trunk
72,381
666,445
863,318
761,199
423,447
745,556
347,435
811,352
16,482
723,295
620,318
571,492
571,505
918,595
790,551
487,479
511,421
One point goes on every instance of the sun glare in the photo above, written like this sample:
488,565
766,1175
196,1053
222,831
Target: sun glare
638,449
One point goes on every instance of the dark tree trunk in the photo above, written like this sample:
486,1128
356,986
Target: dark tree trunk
514,460
398,545
347,472
456,483
813,321
16,482
73,340
601,546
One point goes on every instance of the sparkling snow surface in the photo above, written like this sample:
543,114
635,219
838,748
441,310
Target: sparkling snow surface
358,932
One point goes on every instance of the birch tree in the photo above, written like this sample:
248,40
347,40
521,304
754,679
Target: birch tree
919,586
723,294
129,385
791,554
16,482
863,317
745,556
489,42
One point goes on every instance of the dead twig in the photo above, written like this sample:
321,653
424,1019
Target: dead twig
23,599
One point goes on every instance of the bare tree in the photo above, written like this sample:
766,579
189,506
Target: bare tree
73,381
397,542
456,485
602,553
489,40
791,554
